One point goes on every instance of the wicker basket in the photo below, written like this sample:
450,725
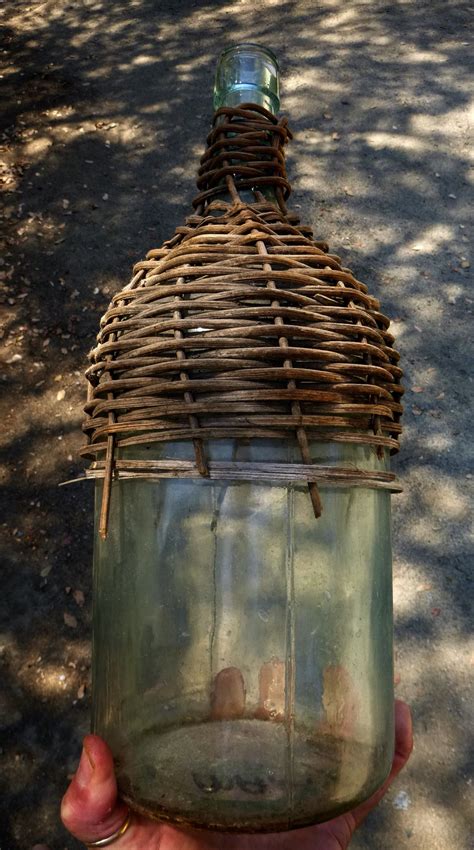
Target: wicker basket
242,326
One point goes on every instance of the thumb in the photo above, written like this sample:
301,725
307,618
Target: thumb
403,749
90,808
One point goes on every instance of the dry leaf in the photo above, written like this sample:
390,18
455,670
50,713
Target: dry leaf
81,691
416,410
417,389
79,597
70,620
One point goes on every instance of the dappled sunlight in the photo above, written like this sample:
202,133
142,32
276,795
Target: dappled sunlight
111,108
441,497
424,531
437,826
407,587
444,497
380,140
426,124
432,239
431,310
436,442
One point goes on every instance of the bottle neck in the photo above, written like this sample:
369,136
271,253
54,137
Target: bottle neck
248,73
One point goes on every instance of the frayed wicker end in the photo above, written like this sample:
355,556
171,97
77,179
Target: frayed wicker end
242,326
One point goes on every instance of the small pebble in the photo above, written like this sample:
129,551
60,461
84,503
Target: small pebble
70,620
402,801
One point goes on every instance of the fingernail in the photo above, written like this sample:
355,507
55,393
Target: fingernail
85,770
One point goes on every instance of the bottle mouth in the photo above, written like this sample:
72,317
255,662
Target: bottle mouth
247,73
251,47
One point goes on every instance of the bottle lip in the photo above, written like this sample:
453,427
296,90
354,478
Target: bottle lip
247,72
251,45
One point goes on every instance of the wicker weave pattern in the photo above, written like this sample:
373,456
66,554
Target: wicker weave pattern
242,325
245,144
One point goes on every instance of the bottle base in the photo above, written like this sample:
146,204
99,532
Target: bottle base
245,776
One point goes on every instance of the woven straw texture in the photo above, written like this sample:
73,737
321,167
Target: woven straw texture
241,325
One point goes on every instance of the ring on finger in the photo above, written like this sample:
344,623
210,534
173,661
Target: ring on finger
104,842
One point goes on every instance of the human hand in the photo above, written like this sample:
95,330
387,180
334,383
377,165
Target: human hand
91,809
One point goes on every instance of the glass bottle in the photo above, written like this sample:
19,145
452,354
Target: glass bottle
242,649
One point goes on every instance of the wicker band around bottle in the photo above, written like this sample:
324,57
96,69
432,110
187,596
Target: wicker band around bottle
242,326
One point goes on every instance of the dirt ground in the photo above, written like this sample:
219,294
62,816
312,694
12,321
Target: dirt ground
108,109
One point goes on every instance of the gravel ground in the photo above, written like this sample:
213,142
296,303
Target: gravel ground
109,105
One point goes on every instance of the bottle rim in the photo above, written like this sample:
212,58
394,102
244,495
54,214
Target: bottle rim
246,45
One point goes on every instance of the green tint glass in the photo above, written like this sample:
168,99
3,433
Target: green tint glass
242,649
247,73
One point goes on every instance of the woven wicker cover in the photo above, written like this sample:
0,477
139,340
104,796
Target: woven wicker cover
242,326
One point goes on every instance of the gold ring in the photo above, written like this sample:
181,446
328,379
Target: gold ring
104,842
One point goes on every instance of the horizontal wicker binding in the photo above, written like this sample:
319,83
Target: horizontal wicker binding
241,326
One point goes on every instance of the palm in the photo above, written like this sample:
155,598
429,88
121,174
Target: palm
91,809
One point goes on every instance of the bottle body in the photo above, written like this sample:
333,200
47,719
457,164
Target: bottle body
242,649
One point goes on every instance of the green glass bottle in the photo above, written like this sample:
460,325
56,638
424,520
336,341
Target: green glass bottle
242,650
